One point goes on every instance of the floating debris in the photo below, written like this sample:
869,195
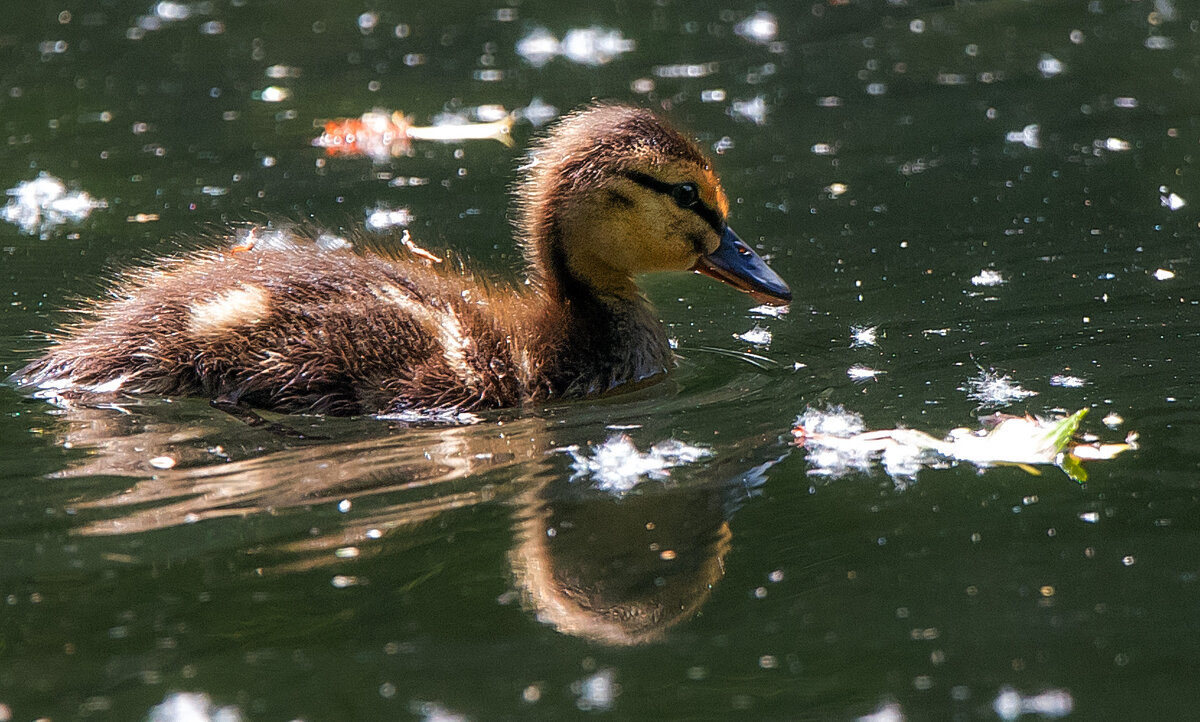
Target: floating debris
428,711
1068,382
758,336
1024,441
283,238
273,94
595,45
834,460
1012,439
836,190
166,13
617,466
377,135
382,218
1170,200
861,374
538,47
192,707
761,28
988,277
416,250
835,421
43,204
773,311
433,417
263,238
1166,10
1050,66
864,336
753,110
592,46
886,712
381,135
278,72
993,390
687,70
175,11
1054,703
597,692
1030,136
537,113
367,22
162,462
455,128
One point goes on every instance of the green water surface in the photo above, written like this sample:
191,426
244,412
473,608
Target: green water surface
394,571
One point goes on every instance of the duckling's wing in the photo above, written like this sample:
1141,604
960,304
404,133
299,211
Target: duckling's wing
294,330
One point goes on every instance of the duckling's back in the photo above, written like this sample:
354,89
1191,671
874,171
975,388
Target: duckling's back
296,328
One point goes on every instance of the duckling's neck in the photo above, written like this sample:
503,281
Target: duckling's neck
606,342
607,334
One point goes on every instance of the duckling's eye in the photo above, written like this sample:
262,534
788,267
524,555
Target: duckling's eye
685,195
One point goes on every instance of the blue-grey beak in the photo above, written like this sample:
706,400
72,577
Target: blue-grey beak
737,264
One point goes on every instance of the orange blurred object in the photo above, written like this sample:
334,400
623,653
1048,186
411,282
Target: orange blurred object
377,135
380,135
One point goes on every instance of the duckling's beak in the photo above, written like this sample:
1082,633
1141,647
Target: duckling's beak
736,263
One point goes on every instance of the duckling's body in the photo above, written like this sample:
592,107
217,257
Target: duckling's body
295,328
291,327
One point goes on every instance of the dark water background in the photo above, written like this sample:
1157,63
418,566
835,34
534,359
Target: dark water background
393,572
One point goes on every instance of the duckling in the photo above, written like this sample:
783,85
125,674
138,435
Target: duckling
609,193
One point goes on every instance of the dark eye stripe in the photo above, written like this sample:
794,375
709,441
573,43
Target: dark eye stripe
702,209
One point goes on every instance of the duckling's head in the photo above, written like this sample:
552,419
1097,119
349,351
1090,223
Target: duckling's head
613,192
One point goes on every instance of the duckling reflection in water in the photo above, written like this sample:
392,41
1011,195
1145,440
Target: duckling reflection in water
620,571
614,568
612,192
